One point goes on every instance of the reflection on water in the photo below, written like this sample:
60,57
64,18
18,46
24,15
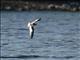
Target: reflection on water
57,36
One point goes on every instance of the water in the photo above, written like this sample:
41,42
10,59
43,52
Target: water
56,37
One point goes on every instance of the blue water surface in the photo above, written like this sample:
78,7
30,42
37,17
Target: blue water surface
56,36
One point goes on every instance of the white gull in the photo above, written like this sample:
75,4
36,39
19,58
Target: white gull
31,27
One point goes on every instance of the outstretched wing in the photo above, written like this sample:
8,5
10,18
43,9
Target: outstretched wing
35,21
31,32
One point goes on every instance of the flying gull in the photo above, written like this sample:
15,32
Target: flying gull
31,27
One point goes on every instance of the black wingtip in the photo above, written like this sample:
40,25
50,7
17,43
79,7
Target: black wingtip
39,19
31,37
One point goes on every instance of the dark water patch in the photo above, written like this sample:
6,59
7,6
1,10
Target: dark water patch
75,30
63,24
37,56
66,57
21,37
67,19
22,29
69,33
9,34
24,56
51,32
4,43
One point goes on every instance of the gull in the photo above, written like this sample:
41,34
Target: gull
31,27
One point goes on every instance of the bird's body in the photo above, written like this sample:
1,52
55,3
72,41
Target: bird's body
31,27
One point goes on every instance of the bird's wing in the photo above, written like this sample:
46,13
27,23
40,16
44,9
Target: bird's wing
31,32
33,22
